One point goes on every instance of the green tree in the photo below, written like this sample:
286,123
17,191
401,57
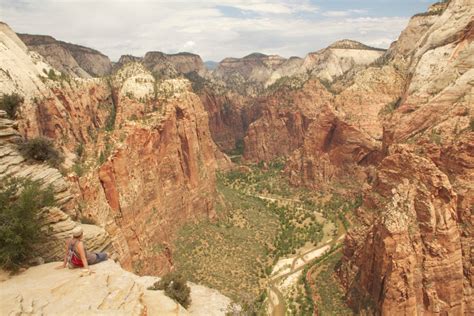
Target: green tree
20,202
10,104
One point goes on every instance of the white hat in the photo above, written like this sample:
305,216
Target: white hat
77,231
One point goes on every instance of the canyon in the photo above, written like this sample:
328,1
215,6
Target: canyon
362,156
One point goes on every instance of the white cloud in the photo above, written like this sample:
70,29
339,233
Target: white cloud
189,46
285,27
344,13
336,13
272,6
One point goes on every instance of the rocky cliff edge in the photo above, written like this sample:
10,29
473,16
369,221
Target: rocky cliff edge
109,290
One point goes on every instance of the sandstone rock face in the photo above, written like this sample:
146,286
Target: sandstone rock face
108,291
319,140
160,177
57,228
284,121
66,110
13,164
56,225
230,115
332,149
338,58
412,253
71,59
148,163
8,129
411,260
19,70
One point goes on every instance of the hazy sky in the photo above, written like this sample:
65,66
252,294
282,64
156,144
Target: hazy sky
213,29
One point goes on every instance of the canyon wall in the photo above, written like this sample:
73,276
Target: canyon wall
412,252
397,125
139,157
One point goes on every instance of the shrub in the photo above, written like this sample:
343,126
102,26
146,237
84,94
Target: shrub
78,169
391,107
198,83
10,104
52,75
175,287
87,220
80,150
20,202
435,137
41,149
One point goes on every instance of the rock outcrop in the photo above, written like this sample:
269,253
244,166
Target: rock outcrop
338,58
285,118
20,70
71,59
412,253
56,224
170,65
13,164
57,227
147,158
160,175
412,258
230,115
108,290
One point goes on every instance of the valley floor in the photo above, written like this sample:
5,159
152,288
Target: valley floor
266,237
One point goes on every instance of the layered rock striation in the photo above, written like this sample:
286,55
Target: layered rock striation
412,253
71,59
56,223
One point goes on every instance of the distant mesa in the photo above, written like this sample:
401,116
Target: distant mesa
350,44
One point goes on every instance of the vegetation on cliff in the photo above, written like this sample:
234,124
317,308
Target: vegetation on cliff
41,149
10,103
20,203
175,287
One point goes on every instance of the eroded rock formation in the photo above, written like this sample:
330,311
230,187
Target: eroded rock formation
412,253
56,224
147,161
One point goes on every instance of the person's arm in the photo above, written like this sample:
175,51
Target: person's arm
65,257
82,254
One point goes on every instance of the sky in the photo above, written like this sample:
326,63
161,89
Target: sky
214,29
